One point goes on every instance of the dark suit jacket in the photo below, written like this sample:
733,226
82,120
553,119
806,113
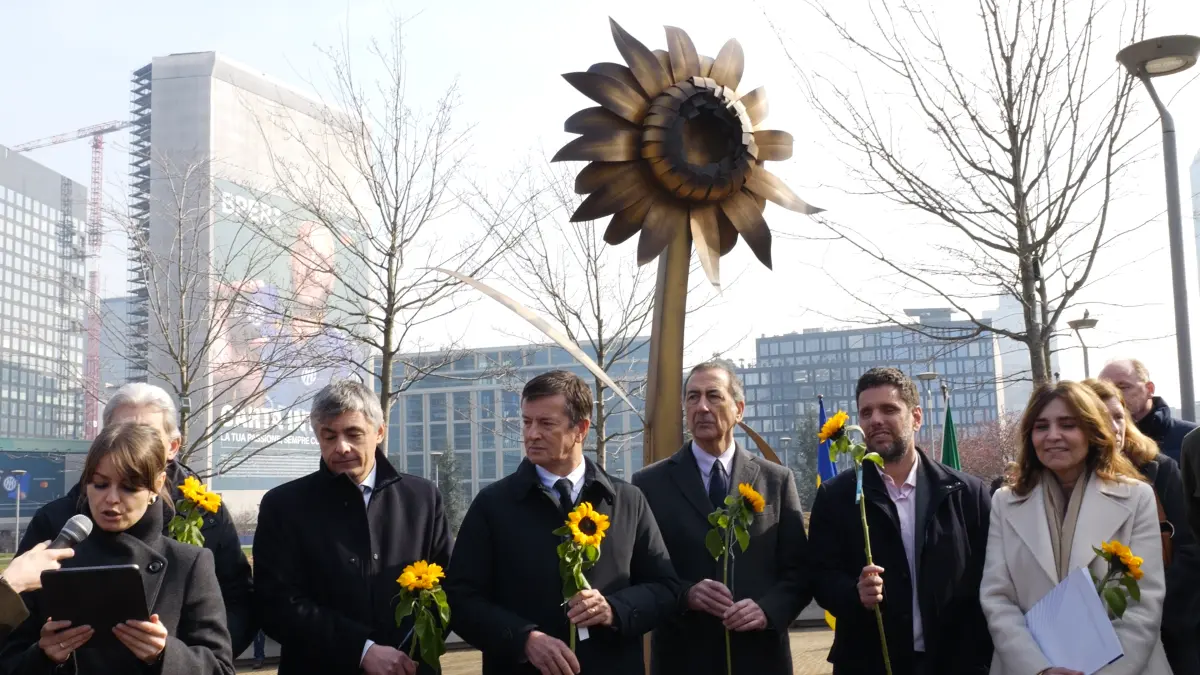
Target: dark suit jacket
953,510
1189,466
1181,607
180,583
326,567
220,537
771,571
504,580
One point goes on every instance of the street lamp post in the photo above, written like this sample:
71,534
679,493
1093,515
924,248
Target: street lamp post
786,440
926,378
17,473
1145,60
1083,324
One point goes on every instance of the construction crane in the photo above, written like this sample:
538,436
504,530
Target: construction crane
95,237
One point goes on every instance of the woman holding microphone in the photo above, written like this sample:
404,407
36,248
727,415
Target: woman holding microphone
123,494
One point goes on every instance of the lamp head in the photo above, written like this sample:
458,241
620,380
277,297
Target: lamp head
1161,56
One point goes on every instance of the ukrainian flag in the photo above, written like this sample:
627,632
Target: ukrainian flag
826,470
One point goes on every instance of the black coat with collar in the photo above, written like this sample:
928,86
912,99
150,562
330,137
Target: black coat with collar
1166,430
1181,607
180,583
950,545
504,580
325,567
771,571
220,537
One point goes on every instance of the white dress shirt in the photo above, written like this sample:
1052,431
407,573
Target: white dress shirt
369,483
706,462
576,477
904,497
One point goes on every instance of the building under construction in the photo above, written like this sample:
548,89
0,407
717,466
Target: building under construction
43,301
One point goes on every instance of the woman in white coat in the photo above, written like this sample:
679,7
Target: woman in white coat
1073,489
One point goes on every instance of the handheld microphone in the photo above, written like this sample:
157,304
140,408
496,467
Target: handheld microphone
76,530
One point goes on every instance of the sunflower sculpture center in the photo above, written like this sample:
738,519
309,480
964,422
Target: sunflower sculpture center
674,145
698,140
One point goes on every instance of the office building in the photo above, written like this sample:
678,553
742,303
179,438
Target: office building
792,370
42,300
472,407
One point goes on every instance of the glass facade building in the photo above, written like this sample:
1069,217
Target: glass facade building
42,300
472,407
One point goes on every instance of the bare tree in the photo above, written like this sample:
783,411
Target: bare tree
192,328
987,448
1016,160
453,499
388,181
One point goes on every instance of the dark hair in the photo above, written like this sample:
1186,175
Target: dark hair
1104,458
889,377
137,454
577,393
736,390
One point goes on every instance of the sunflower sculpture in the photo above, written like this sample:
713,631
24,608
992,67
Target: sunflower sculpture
673,145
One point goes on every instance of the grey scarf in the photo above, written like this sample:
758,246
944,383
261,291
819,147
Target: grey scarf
1061,516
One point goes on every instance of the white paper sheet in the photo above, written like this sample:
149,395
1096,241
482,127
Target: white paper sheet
1071,626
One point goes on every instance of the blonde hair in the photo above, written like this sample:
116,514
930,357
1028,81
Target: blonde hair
1140,448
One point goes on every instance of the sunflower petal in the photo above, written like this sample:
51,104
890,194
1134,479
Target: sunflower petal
744,213
616,146
773,145
728,233
664,60
663,220
766,184
728,67
612,198
596,120
598,174
649,71
706,235
618,72
685,62
756,105
626,223
612,94
706,64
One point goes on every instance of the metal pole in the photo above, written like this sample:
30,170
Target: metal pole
1087,371
17,532
1183,336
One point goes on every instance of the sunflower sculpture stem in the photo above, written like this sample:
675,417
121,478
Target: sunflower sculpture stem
862,514
664,387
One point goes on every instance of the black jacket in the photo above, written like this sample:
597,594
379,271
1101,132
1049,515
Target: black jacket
1181,608
1190,468
951,543
771,571
181,587
220,537
326,567
1167,431
504,580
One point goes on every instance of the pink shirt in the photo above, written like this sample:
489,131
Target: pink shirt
905,498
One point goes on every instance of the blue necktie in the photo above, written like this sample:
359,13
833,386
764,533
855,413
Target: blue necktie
718,487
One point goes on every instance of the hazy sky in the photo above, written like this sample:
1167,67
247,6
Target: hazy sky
68,65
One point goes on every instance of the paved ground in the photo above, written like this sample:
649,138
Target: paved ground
809,647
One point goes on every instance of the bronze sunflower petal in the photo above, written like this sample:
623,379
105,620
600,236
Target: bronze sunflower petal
766,184
612,198
729,235
626,223
707,237
730,63
773,145
646,67
664,60
756,105
706,64
598,174
665,217
612,94
685,62
616,146
618,72
597,119
747,217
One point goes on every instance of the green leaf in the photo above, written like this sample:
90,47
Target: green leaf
431,638
581,581
714,518
591,553
569,587
562,549
732,500
1131,585
562,531
404,609
743,537
715,543
1116,600
873,457
723,521
439,597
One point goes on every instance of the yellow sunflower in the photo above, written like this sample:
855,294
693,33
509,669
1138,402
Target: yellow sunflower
587,525
674,145
421,576
755,500
209,501
833,427
192,489
409,581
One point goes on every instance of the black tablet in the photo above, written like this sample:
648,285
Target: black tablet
100,597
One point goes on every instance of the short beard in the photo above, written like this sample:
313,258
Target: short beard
895,450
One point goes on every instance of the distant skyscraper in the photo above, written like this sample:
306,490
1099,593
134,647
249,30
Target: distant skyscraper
1016,373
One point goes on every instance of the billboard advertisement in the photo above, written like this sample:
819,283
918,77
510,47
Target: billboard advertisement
276,274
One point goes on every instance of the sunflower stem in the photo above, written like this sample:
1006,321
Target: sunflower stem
862,514
573,630
725,580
